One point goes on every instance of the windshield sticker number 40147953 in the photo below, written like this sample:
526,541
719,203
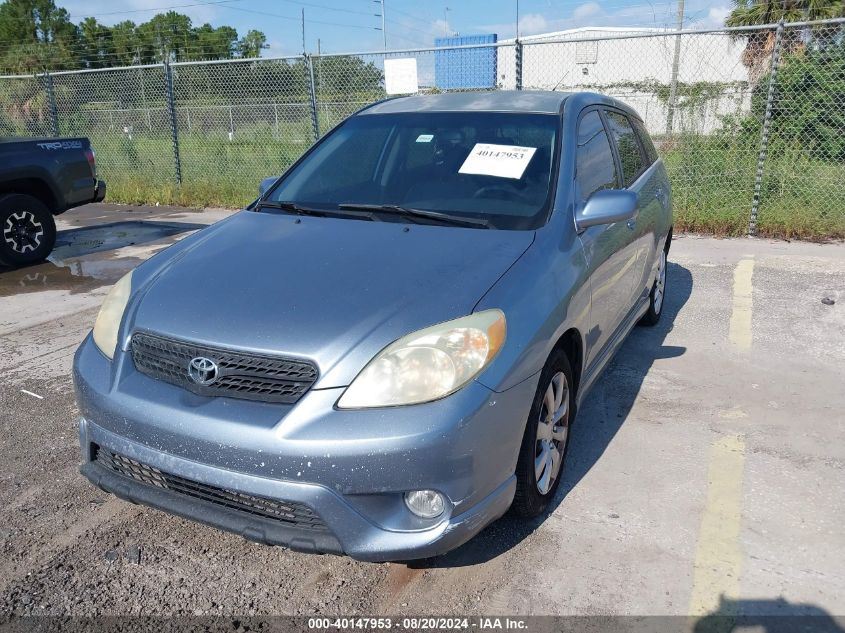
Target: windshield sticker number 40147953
503,161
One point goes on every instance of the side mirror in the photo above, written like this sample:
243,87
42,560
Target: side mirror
266,184
606,207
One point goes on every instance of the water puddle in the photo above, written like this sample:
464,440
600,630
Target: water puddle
90,257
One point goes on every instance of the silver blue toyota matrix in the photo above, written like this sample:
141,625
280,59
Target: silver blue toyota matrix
386,351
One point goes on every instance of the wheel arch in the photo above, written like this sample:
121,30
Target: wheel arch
35,187
572,344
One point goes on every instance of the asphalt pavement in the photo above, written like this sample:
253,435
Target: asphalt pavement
705,473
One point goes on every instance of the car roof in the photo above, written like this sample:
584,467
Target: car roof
528,101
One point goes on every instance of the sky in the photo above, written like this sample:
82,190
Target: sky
353,25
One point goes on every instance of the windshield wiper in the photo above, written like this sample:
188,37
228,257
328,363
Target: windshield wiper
292,207
444,218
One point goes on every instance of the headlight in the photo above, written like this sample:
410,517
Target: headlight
111,312
428,364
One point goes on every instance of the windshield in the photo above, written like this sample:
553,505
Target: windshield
488,166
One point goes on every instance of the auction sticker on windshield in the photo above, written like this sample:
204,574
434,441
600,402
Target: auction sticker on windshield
504,161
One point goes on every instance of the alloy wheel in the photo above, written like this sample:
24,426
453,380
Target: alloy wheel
23,232
552,429
660,282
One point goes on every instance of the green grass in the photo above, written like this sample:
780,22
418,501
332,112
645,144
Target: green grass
215,170
713,190
712,179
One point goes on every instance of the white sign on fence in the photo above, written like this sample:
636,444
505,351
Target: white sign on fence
400,76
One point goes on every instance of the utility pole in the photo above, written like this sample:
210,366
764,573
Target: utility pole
383,26
319,68
673,87
303,30
517,20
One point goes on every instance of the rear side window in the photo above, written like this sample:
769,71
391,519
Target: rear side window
627,146
595,168
646,142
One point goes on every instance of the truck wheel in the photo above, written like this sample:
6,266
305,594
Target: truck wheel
27,230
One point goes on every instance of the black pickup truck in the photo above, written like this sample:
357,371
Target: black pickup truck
39,179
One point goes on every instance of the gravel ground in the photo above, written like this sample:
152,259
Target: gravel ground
632,531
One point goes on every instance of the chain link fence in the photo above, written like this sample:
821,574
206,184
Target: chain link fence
749,121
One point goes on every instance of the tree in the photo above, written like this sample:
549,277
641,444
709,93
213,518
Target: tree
806,118
167,36
211,43
348,75
34,35
252,44
759,45
125,44
95,46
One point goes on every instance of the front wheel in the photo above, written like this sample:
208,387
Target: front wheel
544,445
658,294
27,230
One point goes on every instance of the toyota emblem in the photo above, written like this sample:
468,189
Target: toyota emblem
202,370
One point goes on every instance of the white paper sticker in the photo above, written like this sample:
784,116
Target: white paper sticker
504,161
400,76
425,138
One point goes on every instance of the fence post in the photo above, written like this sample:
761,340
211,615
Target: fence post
171,109
312,94
764,134
518,61
51,101
676,62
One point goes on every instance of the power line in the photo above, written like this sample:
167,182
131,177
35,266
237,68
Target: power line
286,17
408,26
326,7
410,15
80,47
98,51
170,8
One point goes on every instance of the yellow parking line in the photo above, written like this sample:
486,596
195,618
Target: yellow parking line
740,329
718,557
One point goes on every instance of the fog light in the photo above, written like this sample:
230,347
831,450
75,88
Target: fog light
426,504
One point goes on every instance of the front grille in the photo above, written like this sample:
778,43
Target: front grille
289,512
239,374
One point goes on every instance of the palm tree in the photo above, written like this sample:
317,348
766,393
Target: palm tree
758,48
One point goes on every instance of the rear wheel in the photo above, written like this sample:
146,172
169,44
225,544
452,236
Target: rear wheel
658,294
27,230
544,445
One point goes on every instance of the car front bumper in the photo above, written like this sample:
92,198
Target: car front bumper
351,468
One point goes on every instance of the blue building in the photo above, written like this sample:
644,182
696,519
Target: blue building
465,68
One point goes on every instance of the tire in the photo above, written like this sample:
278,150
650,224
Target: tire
657,296
27,230
533,490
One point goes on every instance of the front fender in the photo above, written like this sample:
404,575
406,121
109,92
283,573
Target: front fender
544,294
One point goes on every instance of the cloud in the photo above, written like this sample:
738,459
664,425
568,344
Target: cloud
532,23
715,18
586,10
584,15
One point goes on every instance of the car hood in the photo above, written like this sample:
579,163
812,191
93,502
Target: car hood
335,291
